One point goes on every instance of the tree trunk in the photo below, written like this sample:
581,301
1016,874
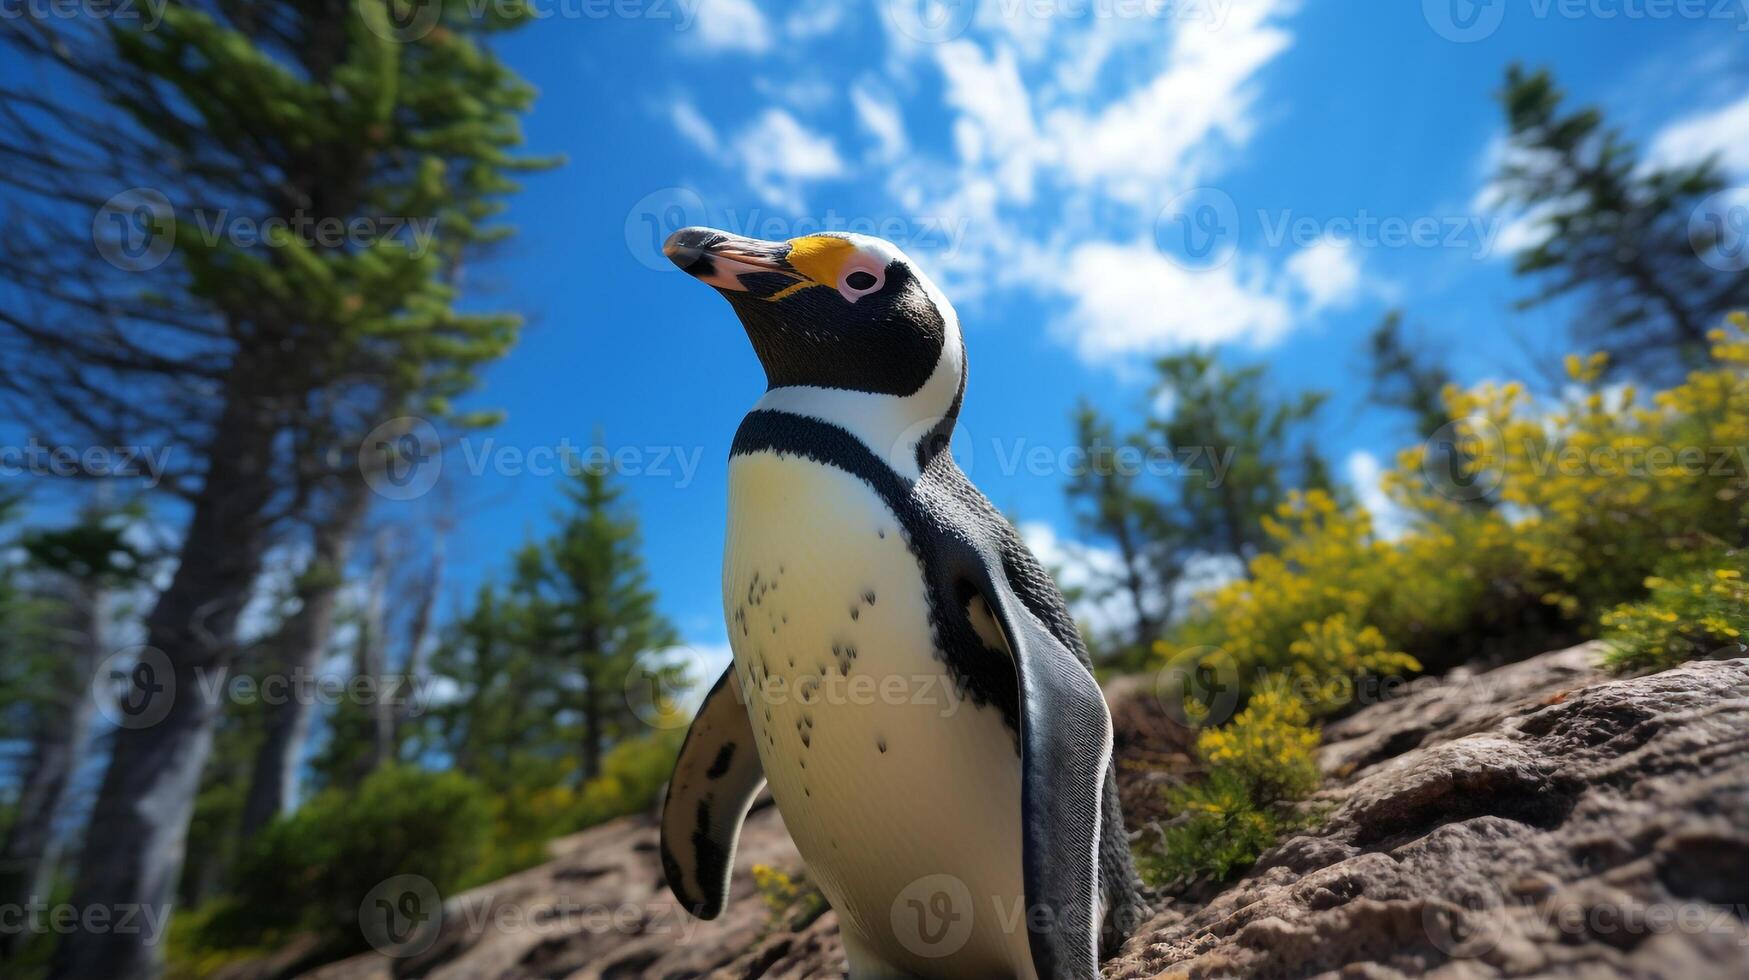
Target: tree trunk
135,841
299,647
28,855
372,662
592,727
1691,333
1135,583
419,635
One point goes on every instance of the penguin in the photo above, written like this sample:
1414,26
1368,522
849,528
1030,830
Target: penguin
906,677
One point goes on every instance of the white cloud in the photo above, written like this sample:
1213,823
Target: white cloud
811,20
695,127
730,25
881,118
994,131
1094,570
1167,132
1132,300
1724,131
1156,136
1328,272
1016,23
704,663
1077,565
1085,55
1364,472
1519,228
1521,232
1067,134
779,154
801,92
1164,403
1047,143
1205,572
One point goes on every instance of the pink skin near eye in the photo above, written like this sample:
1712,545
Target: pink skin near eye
853,286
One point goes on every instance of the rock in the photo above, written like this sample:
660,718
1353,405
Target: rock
1540,819
602,911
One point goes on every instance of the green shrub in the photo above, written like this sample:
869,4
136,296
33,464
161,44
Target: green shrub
36,949
310,871
527,815
791,901
1256,769
1585,500
1699,612
1220,828
632,773
189,951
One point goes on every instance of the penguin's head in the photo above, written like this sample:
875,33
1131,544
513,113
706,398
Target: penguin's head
834,311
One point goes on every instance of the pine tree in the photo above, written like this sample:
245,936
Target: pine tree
1406,379
1615,231
58,626
590,607
1112,505
263,361
502,725
1226,416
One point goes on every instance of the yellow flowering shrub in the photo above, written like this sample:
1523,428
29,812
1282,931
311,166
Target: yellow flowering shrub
1584,501
1269,745
1699,613
1555,520
1595,492
1257,766
1330,563
790,900
1331,656
776,888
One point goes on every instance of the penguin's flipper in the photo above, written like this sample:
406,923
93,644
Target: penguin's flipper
715,780
1065,732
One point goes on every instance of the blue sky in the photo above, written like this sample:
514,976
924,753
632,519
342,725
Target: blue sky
1034,158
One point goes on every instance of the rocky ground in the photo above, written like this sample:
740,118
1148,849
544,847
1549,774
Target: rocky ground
1540,819
1537,820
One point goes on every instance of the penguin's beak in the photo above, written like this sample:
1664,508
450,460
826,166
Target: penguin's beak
732,263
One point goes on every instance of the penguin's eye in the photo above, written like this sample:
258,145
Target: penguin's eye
860,278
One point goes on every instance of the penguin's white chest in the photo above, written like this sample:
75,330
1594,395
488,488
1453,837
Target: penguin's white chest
902,796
